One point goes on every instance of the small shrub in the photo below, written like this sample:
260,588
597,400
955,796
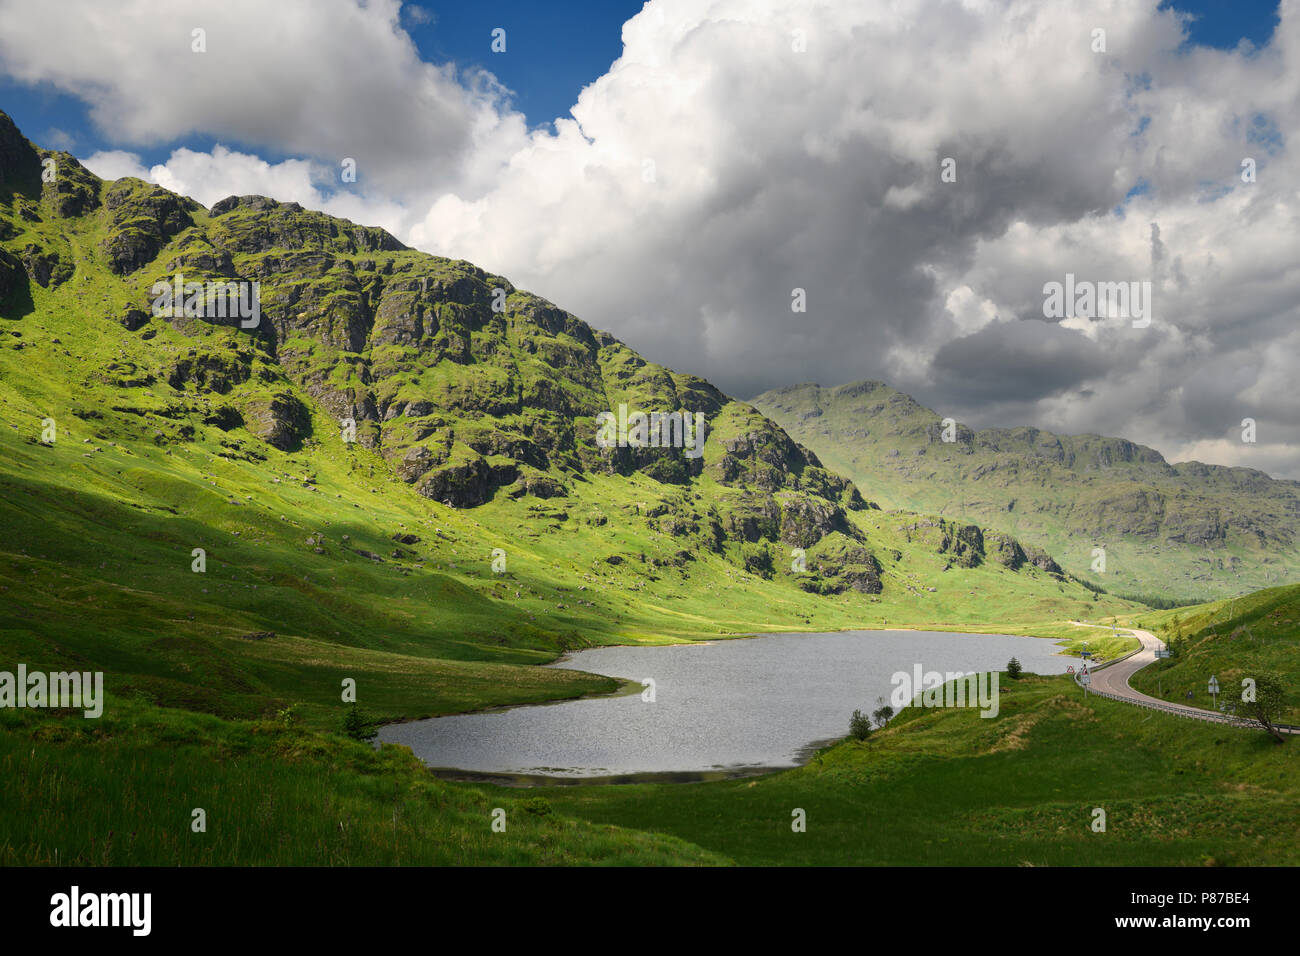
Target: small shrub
537,806
359,725
859,726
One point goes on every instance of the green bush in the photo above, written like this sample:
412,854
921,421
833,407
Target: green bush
359,725
537,806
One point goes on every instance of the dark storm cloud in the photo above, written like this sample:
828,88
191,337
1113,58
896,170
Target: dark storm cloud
1021,361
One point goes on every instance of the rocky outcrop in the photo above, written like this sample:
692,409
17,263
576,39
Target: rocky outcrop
20,163
71,189
132,318
539,486
751,518
805,521
1042,560
278,418
465,484
210,371
141,219
259,224
45,267
964,542
1005,550
840,566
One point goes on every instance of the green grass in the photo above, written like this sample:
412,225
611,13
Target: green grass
946,787
937,787
1230,640
122,791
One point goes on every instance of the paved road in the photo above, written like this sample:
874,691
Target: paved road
1111,680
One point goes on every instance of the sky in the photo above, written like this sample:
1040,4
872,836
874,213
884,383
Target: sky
682,173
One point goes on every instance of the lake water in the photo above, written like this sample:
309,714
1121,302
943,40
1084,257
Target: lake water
724,707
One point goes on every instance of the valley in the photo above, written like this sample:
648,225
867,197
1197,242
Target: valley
470,526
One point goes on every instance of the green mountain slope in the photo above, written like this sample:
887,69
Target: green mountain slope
473,527
1179,531
475,408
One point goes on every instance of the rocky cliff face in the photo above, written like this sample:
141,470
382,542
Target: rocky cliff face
468,387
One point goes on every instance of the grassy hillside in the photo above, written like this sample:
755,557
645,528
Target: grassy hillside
96,572
122,791
1229,639
947,787
1185,531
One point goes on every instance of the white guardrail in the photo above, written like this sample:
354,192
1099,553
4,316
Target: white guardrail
1194,713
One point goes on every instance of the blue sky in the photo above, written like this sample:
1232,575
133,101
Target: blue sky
1224,23
553,51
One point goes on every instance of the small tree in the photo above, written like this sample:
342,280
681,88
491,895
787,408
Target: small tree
359,725
859,726
882,715
1269,702
1014,669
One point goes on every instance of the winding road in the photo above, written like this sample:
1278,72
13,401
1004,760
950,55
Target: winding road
1111,680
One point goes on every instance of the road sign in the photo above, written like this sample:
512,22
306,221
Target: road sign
1214,689
1070,669
1162,652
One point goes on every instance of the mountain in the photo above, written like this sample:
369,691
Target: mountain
1178,531
381,465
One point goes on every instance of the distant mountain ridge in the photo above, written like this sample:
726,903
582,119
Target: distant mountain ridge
1185,530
